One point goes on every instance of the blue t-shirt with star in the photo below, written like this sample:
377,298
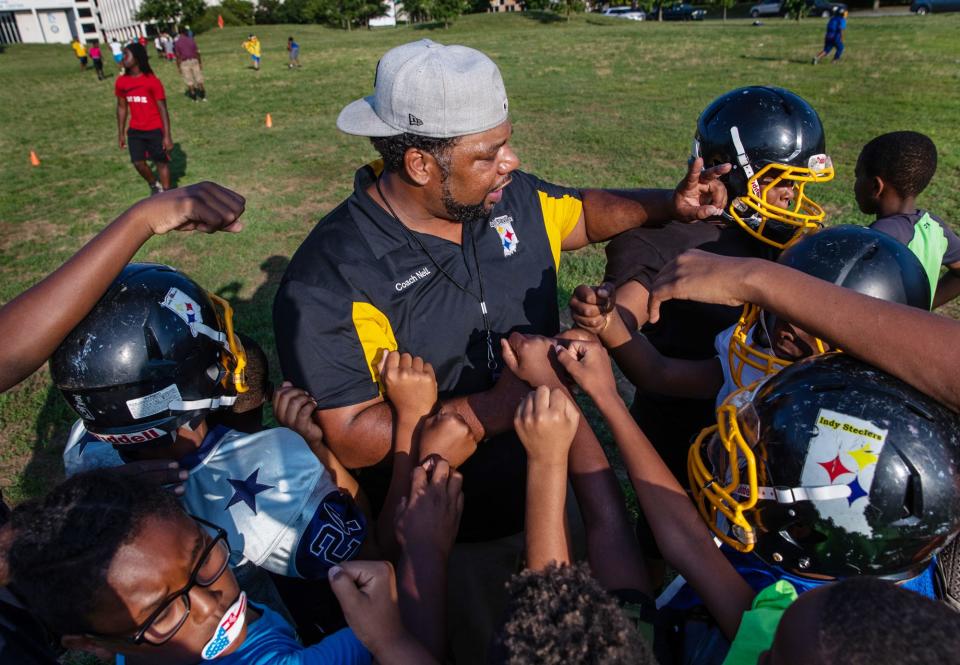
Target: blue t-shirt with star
277,502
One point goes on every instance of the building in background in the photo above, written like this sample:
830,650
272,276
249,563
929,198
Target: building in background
48,21
505,6
60,21
118,19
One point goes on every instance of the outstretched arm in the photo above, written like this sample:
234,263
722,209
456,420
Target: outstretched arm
411,388
607,212
56,304
595,310
898,339
612,549
427,523
680,533
546,422
362,434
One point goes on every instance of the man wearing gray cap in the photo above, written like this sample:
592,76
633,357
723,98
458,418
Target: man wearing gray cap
443,249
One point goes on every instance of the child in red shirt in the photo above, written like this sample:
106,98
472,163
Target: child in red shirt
97,57
140,96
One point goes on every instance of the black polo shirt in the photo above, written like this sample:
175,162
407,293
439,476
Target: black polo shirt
360,284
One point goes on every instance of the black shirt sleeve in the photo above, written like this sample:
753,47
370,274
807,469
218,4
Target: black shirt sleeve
328,343
632,257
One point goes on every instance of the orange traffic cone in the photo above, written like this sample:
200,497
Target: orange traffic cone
269,121
34,160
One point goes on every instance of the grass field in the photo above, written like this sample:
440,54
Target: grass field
595,102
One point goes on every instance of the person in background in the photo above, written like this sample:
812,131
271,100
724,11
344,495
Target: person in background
97,58
117,49
168,47
141,97
252,45
293,50
190,65
81,52
892,171
833,39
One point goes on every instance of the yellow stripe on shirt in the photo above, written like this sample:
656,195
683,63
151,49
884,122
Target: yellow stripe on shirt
375,334
560,216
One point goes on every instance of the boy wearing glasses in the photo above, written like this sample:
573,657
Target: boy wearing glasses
112,566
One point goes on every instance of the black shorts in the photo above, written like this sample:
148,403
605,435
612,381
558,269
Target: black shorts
146,145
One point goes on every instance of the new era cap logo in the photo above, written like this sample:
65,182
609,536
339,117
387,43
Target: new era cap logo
414,120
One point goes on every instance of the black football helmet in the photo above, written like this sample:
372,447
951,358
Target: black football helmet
153,355
854,257
831,467
764,133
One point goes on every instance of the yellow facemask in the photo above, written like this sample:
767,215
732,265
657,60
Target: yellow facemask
233,358
741,350
729,474
722,470
803,216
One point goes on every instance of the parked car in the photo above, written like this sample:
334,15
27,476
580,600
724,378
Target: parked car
921,7
680,11
766,9
824,8
625,12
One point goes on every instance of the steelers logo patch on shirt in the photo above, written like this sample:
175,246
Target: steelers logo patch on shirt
508,237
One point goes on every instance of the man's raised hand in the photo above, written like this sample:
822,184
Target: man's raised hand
448,435
531,358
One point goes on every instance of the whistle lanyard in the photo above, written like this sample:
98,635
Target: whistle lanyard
491,356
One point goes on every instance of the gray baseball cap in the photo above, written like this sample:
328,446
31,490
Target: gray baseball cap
429,89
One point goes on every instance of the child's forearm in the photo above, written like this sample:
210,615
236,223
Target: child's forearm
403,463
651,371
546,528
341,476
60,301
612,549
421,590
681,535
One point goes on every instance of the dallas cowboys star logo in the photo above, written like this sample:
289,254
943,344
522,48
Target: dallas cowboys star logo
247,491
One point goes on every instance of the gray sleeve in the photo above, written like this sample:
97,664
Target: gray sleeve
899,228
952,254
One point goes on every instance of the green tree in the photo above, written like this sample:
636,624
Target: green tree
417,10
725,5
171,11
445,11
794,8
267,12
571,6
242,9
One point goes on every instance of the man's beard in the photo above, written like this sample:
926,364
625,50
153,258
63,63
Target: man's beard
465,213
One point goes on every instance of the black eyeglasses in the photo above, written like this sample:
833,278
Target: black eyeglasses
168,618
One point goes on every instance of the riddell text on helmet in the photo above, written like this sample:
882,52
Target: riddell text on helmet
130,437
